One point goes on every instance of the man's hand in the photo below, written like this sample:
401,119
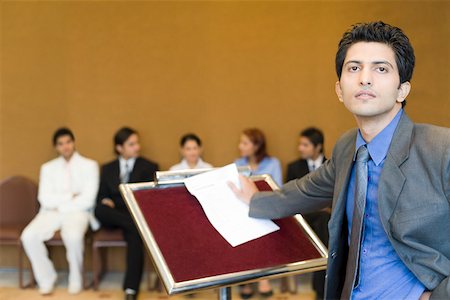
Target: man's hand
108,202
425,296
248,189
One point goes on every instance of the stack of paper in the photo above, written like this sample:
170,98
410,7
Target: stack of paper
225,211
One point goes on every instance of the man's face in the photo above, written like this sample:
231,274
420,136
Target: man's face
65,146
130,148
370,83
307,149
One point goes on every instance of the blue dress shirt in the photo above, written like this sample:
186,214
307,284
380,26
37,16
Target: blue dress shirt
269,165
382,274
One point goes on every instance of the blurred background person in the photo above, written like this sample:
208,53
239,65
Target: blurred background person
311,150
68,185
111,209
191,152
252,147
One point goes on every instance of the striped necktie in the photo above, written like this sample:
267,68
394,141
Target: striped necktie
352,274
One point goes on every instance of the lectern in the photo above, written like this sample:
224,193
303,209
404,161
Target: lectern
190,255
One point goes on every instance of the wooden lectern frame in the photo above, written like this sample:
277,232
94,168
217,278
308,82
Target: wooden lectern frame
161,227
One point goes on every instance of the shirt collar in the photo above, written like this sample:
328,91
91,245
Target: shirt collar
185,164
74,158
317,163
128,162
379,146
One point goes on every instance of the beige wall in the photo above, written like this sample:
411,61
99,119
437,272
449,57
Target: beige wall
213,68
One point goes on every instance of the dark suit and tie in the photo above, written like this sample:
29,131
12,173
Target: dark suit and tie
317,220
413,204
119,216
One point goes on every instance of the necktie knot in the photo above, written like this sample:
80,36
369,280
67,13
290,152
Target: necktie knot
363,154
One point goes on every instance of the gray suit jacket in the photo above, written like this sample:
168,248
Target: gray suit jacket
413,201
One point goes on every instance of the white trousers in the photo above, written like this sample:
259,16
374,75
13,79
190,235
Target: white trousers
73,226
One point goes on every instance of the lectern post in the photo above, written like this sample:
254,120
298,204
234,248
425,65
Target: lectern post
225,293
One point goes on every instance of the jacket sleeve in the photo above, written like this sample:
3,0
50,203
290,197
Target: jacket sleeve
307,194
290,172
442,291
48,195
85,200
103,190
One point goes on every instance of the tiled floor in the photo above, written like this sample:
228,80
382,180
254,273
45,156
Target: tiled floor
110,288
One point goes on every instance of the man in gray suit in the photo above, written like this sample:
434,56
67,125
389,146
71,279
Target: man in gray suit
388,181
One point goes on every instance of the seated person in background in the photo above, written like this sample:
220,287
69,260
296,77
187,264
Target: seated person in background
310,147
252,146
68,185
111,209
191,152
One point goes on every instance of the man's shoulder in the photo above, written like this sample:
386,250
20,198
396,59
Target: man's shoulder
146,163
431,136
52,163
87,161
110,165
427,129
346,140
297,163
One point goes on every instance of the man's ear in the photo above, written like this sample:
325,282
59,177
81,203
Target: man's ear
119,148
339,91
403,91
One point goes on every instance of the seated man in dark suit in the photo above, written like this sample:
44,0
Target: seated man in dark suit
111,210
310,147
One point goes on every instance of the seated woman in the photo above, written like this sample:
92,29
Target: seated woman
252,146
191,151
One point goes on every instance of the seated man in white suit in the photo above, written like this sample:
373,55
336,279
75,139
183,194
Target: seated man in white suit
68,187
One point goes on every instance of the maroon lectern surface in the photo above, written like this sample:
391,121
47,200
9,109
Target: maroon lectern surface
193,249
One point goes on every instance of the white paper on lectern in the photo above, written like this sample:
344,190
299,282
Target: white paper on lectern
224,210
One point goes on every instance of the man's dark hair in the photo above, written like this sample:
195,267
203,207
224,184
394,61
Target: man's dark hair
314,135
62,132
381,33
190,137
122,136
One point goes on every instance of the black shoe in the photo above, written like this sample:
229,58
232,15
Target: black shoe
130,294
246,295
266,294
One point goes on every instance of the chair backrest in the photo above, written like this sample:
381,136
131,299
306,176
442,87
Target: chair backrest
18,200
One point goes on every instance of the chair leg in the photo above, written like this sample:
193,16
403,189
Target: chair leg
95,267
19,249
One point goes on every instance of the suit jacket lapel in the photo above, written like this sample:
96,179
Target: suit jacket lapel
392,179
115,178
343,171
134,172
